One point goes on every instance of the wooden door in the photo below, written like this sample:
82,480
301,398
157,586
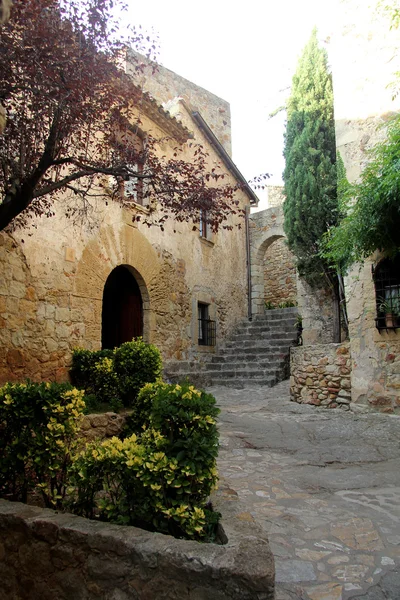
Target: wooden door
122,316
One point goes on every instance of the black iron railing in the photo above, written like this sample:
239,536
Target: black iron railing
207,332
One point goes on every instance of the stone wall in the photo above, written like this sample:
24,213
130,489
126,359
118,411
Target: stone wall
46,555
165,86
52,278
276,195
364,53
279,274
320,375
316,308
267,247
266,227
104,425
375,354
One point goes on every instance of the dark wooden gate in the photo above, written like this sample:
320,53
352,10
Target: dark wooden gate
122,316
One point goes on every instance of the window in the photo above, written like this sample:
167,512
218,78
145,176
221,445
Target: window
207,327
387,292
203,225
134,188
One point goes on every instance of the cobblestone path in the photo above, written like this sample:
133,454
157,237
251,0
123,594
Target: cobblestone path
323,484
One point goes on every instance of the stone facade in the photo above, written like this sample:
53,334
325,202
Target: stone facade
274,279
376,354
316,308
266,227
320,375
46,555
279,274
168,86
53,277
365,56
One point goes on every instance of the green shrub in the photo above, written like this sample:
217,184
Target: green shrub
161,479
139,417
38,427
116,376
136,363
94,373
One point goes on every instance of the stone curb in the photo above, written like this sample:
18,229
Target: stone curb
45,554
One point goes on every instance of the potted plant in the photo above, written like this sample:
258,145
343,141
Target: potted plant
390,307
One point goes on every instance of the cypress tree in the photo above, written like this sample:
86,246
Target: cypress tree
311,205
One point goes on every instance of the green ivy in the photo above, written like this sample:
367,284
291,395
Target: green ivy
372,206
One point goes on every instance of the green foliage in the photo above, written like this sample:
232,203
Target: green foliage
38,427
311,205
141,410
373,209
269,306
93,372
116,376
285,304
136,363
161,479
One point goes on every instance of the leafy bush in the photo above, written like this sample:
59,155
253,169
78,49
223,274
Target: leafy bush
136,363
94,372
116,376
161,479
38,427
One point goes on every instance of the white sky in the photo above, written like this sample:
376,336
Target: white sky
245,53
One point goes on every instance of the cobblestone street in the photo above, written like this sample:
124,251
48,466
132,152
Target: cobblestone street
323,484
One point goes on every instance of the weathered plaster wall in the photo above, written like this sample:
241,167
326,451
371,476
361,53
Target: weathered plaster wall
46,555
364,53
320,375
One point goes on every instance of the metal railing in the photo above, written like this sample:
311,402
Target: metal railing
207,332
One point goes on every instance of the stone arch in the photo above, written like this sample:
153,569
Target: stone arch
112,248
122,310
266,227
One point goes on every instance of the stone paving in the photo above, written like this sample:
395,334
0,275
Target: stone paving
323,484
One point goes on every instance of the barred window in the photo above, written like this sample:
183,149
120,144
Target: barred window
387,292
207,328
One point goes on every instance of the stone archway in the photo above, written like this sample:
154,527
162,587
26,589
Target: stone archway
128,250
122,313
266,227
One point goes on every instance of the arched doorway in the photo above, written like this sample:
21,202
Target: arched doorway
122,314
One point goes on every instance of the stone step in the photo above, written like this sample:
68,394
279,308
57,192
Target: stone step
277,334
256,354
217,365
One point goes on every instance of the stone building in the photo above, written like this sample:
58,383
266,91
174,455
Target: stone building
64,285
365,372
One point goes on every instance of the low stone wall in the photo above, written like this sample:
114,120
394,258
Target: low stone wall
46,555
320,375
102,425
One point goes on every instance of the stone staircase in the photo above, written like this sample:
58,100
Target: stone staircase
257,354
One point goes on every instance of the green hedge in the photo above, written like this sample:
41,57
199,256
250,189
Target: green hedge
39,423
116,376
